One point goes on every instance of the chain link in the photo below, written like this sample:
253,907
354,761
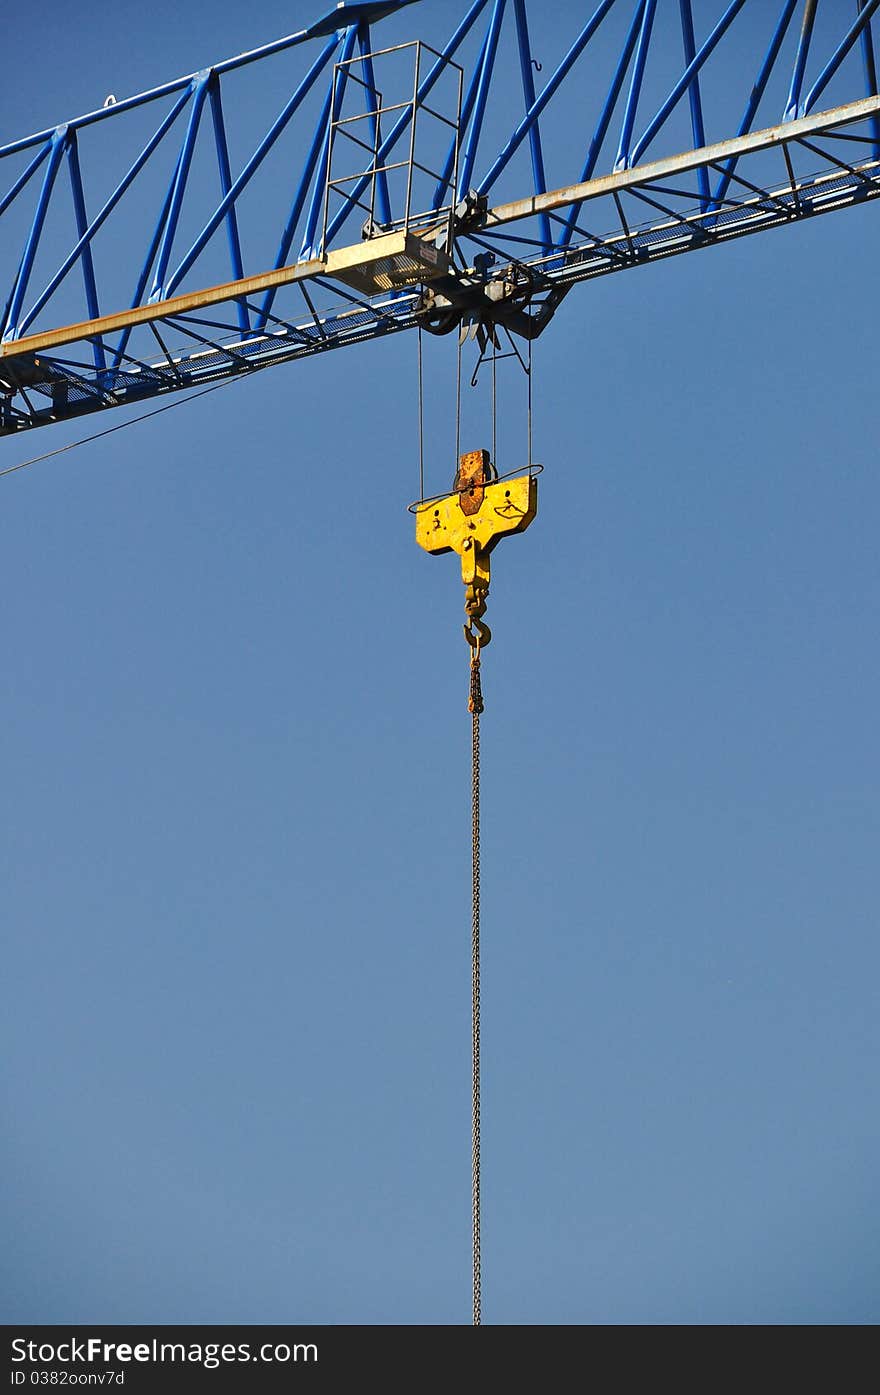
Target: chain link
475,698
475,706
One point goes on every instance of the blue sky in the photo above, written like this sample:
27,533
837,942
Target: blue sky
235,754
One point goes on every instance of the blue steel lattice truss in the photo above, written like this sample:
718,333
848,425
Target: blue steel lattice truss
795,135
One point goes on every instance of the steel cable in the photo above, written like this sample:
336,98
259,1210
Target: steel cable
120,426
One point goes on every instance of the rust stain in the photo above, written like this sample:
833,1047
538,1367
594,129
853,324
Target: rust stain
473,474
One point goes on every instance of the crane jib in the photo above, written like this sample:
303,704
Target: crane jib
392,234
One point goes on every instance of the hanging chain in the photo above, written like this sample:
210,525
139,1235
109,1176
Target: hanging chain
475,707
477,633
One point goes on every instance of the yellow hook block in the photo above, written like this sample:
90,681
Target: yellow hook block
471,521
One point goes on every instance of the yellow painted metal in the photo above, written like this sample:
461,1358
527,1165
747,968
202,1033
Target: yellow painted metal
176,305
443,525
816,123
392,261
388,263
507,507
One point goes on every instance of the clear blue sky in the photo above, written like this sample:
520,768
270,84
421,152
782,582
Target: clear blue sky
235,862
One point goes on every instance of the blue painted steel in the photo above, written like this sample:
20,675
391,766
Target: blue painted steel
181,174
79,123
107,209
755,96
469,149
299,199
839,54
402,122
542,102
528,83
24,178
232,235
254,163
467,106
688,77
332,23
793,105
317,201
870,70
144,275
369,78
82,223
249,334
59,141
604,119
697,129
635,88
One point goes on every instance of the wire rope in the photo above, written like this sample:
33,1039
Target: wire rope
421,419
109,430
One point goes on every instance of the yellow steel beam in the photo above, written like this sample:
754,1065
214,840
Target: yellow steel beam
346,262
339,263
681,164
142,314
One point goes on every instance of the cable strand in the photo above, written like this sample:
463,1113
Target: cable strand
120,426
421,421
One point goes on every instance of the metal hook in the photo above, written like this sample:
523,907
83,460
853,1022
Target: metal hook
483,634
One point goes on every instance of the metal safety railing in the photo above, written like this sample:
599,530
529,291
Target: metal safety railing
383,188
